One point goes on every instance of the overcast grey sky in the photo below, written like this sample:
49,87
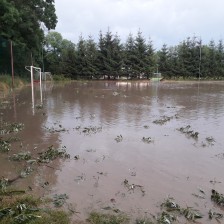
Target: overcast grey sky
164,21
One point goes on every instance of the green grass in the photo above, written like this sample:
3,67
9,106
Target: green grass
143,221
6,81
34,211
60,78
99,218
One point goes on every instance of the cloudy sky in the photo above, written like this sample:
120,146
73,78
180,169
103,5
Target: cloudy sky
164,21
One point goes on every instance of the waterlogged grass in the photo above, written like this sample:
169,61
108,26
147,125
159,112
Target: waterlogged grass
60,78
6,82
28,209
100,218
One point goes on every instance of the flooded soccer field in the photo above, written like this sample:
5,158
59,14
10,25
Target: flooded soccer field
131,145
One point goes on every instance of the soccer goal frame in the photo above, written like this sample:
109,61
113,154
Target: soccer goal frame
31,69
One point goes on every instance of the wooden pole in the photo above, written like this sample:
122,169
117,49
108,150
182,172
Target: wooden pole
12,64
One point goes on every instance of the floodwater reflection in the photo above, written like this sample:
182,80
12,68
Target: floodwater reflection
93,114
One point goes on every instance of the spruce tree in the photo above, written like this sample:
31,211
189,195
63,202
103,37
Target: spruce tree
81,61
129,57
91,58
140,62
163,62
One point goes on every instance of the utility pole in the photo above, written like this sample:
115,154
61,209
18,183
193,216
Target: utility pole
199,69
12,63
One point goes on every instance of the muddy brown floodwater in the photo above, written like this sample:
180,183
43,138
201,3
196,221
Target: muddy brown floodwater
123,131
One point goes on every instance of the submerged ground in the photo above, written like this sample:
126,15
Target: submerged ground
131,144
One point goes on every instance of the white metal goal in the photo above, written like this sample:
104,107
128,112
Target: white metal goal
32,71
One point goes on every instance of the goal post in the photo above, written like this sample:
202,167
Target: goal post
31,69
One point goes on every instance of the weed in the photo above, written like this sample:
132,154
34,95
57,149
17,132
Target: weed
143,221
21,156
163,120
170,205
166,218
4,146
119,138
217,198
24,173
132,187
3,184
60,199
98,218
52,153
54,130
25,209
215,215
147,140
191,214
186,130
91,130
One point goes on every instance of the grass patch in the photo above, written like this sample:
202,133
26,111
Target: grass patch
28,209
143,221
6,82
60,78
99,218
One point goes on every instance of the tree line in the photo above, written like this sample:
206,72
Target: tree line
136,58
24,23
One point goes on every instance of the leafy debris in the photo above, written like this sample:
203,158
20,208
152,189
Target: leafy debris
52,153
215,215
170,204
210,140
190,133
4,182
132,187
147,140
163,120
24,173
4,146
166,218
21,156
191,214
91,130
7,128
21,213
59,199
217,198
56,129
119,138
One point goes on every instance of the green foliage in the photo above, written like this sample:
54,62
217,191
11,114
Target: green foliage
26,209
51,154
217,197
7,80
136,58
21,20
23,23
143,221
4,146
21,156
110,55
59,200
99,218
60,78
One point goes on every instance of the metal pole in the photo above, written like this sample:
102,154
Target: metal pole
199,60
41,96
31,68
12,64
43,61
